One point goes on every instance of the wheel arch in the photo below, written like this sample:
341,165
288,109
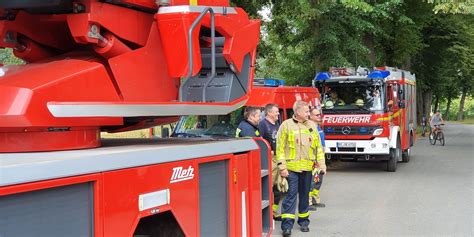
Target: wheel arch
394,135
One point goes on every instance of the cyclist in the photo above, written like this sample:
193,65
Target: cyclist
436,121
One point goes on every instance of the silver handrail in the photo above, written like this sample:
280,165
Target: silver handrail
190,50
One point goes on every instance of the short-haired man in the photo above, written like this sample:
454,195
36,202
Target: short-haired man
318,173
298,147
268,128
248,126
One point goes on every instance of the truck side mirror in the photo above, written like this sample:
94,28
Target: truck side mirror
165,132
401,105
390,104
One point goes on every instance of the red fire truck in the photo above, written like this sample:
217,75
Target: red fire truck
369,116
119,65
265,91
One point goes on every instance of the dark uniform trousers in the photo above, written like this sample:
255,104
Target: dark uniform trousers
299,186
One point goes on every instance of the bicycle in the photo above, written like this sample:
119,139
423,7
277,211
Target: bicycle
437,135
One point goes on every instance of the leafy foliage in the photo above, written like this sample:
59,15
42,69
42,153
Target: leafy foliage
433,38
7,57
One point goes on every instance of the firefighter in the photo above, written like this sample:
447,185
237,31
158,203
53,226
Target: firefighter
248,126
268,128
318,173
298,147
335,98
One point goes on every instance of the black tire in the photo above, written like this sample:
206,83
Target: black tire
441,138
407,153
433,138
392,161
395,156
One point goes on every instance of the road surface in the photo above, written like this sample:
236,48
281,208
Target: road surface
432,195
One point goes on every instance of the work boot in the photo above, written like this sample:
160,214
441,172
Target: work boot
286,233
304,229
320,205
277,218
312,208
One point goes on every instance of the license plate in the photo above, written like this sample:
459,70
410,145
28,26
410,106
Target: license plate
346,144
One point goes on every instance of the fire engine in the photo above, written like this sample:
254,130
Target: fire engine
118,65
369,116
265,91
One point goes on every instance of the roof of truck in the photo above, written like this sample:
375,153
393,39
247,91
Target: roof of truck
283,96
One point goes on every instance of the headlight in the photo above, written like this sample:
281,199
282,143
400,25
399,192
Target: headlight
378,131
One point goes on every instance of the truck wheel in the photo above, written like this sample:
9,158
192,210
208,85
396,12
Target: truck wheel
407,153
395,155
392,161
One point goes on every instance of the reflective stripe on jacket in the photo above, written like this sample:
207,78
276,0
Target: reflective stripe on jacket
246,129
299,146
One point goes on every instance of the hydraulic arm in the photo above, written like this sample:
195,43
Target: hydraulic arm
118,65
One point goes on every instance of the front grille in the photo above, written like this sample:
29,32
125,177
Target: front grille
353,130
347,149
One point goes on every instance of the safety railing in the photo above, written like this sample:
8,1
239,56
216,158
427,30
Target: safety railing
190,51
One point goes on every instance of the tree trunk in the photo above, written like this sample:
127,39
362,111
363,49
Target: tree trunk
461,104
419,105
436,104
427,99
315,25
369,43
448,107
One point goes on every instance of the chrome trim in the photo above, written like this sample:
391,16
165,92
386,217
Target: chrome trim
244,215
137,110
154,199
195,9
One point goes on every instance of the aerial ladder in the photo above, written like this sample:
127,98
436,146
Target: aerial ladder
95,66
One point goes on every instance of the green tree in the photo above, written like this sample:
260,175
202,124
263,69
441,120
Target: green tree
430,38
7,57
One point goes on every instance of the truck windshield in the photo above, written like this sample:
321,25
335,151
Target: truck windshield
208,126
353,97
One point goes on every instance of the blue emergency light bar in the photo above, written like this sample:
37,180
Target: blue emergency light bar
322,76
378,74
270,82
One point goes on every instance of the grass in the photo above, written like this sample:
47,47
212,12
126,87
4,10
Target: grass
143,133
467,121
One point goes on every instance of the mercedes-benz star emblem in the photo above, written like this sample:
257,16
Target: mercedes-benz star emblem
346,130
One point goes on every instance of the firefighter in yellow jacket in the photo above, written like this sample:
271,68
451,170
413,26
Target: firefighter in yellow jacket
298,148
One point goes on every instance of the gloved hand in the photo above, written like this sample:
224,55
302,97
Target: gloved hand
316,177
282,184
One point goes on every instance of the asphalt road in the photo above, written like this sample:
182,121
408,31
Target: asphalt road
432,195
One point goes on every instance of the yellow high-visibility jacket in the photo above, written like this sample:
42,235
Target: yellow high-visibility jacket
299,146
